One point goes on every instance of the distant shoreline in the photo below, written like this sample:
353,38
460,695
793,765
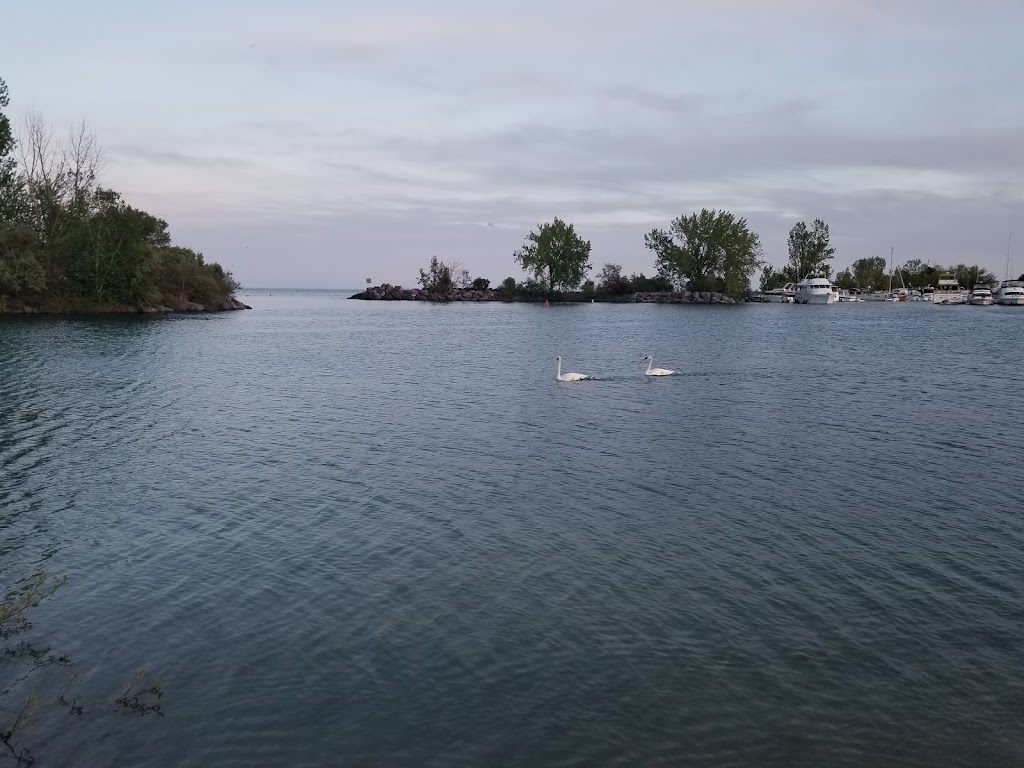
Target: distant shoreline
387,292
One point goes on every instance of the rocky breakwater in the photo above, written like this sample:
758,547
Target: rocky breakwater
388,292
681,297
227,305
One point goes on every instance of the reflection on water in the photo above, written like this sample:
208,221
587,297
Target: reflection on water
382,534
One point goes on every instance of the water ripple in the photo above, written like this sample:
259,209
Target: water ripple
382,534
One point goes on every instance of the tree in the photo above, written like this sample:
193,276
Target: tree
708,251
9,187
6,137
870,273
67,243
481,284
971,275
556,255
772,278
845,280
437,278
809,249
611,281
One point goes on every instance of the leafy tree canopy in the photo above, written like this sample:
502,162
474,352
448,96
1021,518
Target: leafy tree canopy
68,243
707,251
555,255
809,249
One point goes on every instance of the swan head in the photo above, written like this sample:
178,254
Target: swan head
558,359
649,357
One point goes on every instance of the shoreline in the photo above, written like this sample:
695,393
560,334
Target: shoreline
187,307
388,292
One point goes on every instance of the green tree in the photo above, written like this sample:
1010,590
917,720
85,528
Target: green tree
809,249
971,275
611,281
772,278
556,255
845,280
870,273
707,251
437,278
10,192
68,243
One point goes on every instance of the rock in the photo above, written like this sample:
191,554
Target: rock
190,306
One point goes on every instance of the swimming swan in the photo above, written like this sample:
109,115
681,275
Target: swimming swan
569,376
652,371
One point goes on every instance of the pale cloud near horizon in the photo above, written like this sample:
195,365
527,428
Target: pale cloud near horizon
329,141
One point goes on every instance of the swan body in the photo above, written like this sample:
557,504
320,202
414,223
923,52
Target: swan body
652,371
568,376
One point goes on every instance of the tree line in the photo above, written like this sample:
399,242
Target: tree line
810,251
708,251
67,242
713,250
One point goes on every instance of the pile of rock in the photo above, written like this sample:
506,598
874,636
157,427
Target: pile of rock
682,297
125,309
387,292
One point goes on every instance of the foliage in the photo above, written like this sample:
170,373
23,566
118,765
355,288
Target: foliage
509,286
6,135
708,251
640,283
870,273
142,695
437,278
971,275
555,255
589,288
611,281
809,249
845,280
481,284
772,278
67,242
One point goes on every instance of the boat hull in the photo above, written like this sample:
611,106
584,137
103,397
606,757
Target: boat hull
981,302
817,298
1011,301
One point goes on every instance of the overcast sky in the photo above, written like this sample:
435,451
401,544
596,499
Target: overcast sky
317,143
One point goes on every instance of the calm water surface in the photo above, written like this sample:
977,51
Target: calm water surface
381,534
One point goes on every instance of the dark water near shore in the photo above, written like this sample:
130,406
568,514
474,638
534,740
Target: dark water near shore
353,533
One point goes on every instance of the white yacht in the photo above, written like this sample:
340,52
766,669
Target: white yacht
1010,293
815,289
783,295
980,296
949,292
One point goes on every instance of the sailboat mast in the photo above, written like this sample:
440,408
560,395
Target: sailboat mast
1008,242
891,249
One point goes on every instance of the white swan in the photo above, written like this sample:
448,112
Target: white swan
652,371
569,376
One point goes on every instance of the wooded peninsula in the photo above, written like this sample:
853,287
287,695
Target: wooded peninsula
70,245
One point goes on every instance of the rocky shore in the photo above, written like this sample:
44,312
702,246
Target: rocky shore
388,292
228,305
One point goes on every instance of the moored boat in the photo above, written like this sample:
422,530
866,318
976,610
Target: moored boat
980,296
948,291
1010,293
815,289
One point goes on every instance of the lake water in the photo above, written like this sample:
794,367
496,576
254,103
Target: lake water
382,534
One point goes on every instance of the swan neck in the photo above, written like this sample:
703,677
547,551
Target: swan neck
650,364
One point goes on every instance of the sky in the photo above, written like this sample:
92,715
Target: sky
319,143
